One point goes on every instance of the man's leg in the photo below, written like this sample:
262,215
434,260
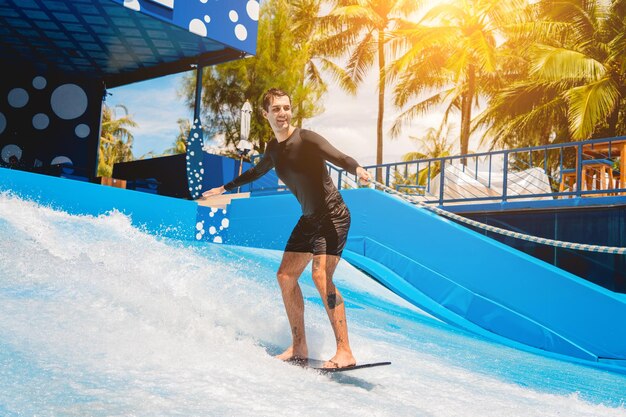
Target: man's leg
323,270
291,267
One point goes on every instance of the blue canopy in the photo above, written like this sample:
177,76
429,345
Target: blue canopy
124,41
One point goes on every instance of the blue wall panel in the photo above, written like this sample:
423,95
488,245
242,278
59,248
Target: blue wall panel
604,226
166,216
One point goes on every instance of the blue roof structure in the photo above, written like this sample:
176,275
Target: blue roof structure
124,41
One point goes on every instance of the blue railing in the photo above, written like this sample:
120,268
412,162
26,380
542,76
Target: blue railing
554,171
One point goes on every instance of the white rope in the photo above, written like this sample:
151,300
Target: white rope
505,232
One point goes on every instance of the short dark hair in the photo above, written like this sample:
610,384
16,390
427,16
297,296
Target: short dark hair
269,95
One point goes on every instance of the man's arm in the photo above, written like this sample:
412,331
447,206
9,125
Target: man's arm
250,175
334,155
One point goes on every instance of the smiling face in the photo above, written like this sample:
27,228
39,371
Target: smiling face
278,115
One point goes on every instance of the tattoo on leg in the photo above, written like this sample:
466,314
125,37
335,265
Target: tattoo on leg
334,300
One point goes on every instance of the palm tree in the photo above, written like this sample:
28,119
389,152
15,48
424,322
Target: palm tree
362,28
306,26
452,56
576,83
435,145
116,140
180,144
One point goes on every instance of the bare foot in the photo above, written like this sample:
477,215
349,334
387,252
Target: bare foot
293,354
341,360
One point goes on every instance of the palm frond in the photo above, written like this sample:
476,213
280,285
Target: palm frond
414,111
552,63
339,75
352,13
589,105
361,59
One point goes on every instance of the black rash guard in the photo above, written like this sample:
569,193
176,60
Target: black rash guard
299,162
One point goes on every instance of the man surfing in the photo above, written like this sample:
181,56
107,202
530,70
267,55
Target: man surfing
298,156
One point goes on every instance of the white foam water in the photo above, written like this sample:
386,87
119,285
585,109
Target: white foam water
98,318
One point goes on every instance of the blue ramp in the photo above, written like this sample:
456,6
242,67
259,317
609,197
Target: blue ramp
481,285
458,275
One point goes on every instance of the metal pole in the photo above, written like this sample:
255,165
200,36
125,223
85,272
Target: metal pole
198,102
240,168
505,176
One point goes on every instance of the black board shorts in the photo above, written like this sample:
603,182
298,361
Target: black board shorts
321,234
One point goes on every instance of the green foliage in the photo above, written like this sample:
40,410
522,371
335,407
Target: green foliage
284,60
539,68
574,82
436,145
116,140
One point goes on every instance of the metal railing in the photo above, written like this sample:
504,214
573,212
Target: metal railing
530,173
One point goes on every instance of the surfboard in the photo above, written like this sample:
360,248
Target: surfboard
318,365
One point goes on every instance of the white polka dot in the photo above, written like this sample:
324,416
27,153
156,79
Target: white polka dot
18,98
224,211
203,1
217,239
61,160
252,7
82,131
3,122
198,236
39,82
199,226
241,32
69,101
40,121
197,26
195,135
225,223
233,16
211,214
201,171
11,150
207,18
132,4
212,230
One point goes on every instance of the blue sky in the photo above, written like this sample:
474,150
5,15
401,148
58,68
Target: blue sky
349,122
155,106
